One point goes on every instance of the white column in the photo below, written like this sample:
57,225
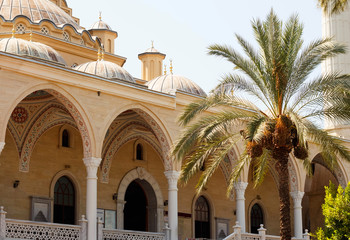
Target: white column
92,165
298,219
240,203
172,177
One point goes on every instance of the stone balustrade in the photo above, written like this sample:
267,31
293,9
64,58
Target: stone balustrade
238,235
22,229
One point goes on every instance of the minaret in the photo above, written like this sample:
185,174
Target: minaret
105,33
337,26
152,63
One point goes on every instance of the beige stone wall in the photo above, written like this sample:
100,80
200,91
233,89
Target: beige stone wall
48,159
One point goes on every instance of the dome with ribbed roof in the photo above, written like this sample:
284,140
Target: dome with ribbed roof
36,10
169,82
31,49
105,69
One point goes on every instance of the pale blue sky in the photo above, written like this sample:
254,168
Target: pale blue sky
183,29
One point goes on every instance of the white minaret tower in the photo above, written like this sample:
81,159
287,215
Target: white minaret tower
337,26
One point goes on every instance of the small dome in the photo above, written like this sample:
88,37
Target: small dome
105,69
36,10
32,49
101,25
151,50
169,82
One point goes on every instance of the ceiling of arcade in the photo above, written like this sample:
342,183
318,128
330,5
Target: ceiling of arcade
34,115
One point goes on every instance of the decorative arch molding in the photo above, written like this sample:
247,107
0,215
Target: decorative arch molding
77,189
156,125
81,124
211,213
44,122
142,174
69,102
117,144
338,170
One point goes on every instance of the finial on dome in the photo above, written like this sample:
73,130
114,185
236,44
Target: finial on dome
13,31
164,69
171,66
100,16
152,43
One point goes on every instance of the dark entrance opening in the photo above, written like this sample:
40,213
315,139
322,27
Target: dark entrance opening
202,220
256,218
135,210
140,210
64,201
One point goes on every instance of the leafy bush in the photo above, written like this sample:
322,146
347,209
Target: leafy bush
336,211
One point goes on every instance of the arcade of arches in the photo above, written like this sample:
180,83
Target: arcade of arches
43,139
79,135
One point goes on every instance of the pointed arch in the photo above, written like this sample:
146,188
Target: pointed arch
70,103
156,125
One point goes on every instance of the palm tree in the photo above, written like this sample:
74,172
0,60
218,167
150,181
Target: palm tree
272,97
335,6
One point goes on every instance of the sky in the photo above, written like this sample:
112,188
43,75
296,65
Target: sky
183,29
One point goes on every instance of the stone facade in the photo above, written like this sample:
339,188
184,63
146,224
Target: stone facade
108,121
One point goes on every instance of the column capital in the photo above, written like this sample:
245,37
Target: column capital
297,195
240,188
2,145
172,176
297,198
92,161
92,164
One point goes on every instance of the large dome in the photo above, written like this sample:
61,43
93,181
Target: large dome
31,49
167,83
36,10
105,69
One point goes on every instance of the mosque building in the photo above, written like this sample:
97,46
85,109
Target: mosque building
79,135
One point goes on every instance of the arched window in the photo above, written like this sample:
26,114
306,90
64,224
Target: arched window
202,218
139,152
64,201
256,218
65,138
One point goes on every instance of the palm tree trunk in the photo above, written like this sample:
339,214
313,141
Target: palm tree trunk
283,190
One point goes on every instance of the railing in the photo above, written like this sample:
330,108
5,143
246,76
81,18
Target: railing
41,231
117,234
123,234
238,235
22,229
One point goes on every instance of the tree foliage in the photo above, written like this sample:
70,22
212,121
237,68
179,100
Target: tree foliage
336,210
270,102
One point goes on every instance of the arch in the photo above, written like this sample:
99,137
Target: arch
156,125
142,174
76,186
211,214
74,108
338,170
121,139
